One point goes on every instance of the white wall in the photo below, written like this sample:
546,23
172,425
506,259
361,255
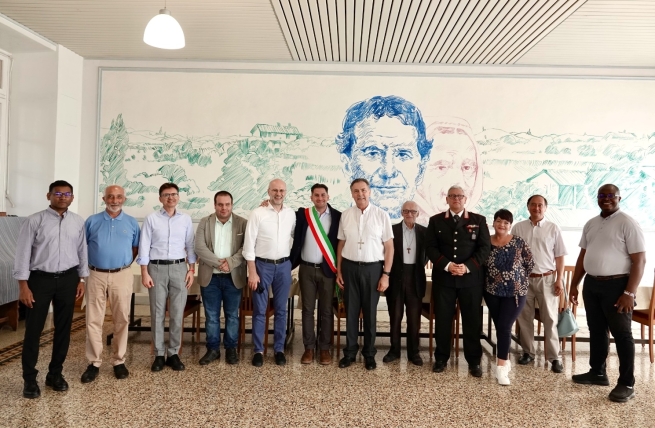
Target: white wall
32,130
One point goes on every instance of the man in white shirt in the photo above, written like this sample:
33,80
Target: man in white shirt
612,256
266,248
545,282
364,259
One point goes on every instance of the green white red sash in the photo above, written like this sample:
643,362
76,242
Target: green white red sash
314,222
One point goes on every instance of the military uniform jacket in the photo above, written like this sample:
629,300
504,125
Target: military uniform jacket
466,242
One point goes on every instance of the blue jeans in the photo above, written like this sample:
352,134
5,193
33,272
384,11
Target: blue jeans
279,278
221,288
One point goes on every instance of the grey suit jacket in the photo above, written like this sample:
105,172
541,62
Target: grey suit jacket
208,261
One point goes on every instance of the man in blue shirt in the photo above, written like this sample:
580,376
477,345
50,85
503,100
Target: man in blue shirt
166,245
113,240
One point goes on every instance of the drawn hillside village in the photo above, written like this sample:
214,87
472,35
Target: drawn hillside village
567,169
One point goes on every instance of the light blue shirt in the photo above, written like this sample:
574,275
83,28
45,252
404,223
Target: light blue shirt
165,237
110,240
223,240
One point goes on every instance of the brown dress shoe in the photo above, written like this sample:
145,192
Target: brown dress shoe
325,358
307,357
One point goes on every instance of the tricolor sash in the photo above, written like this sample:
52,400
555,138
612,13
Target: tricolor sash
314,222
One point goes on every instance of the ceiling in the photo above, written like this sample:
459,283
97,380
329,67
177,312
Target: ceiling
552,32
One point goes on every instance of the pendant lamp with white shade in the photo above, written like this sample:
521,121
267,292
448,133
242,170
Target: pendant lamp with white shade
164,32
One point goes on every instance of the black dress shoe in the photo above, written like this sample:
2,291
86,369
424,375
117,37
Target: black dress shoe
210,355
369,363
475,370
174,362
90,374
56,382
231,356
590,378
439,366
622,393
158,364
280,359
345,362
120,371
526,359
258,359
416,360
31,389
556,366
389,357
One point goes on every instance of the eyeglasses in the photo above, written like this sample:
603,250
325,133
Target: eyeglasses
65,194
170,195
456,196
607,195
412,212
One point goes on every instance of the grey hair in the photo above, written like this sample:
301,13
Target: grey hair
457,187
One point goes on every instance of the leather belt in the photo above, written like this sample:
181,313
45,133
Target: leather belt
222,274
363,263
540,275
271,261
53,274
314,265
167,262
607,278
108,270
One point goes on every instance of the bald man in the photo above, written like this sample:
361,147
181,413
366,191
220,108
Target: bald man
266,248
407,283
113,240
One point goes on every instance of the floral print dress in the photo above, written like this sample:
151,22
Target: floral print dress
508,269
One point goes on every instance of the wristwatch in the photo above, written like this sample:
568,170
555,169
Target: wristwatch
627,293
386,273
82,280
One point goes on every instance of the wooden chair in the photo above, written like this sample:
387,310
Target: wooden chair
192,307
427,311
646,317
246,310
339,311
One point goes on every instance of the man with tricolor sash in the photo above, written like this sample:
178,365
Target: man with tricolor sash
314,249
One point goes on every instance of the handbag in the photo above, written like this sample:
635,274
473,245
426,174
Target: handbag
566,322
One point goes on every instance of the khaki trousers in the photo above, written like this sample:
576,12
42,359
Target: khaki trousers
118,288
541,291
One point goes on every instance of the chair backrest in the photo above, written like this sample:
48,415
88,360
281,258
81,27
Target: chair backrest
568,277
646,297
246,301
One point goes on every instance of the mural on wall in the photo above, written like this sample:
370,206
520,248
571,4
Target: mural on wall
406,150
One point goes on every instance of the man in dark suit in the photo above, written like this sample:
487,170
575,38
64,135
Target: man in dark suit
314,249
407,283
458,244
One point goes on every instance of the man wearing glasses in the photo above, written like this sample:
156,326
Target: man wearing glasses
113,241
458,244
612,259
50,266
165,248
407,283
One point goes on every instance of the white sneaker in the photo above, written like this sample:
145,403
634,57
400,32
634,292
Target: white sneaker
508,364
501,375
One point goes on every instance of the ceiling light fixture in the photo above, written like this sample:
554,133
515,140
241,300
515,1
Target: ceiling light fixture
164,32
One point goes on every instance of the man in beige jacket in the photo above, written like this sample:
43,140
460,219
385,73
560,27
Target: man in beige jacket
221,275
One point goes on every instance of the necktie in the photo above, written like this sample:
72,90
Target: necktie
456,218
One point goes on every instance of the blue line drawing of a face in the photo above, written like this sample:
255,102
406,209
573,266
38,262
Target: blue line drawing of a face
383,140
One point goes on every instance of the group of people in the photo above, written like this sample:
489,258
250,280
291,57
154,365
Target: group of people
60,257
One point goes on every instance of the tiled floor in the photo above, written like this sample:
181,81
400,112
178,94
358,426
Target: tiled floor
396,395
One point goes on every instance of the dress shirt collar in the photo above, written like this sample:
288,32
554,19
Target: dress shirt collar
540,223
51,211
407,228
365,210
460,214
610,216
229,221
326,212
106,216
163,212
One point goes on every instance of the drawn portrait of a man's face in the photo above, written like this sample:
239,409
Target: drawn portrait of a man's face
454,161
383,141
